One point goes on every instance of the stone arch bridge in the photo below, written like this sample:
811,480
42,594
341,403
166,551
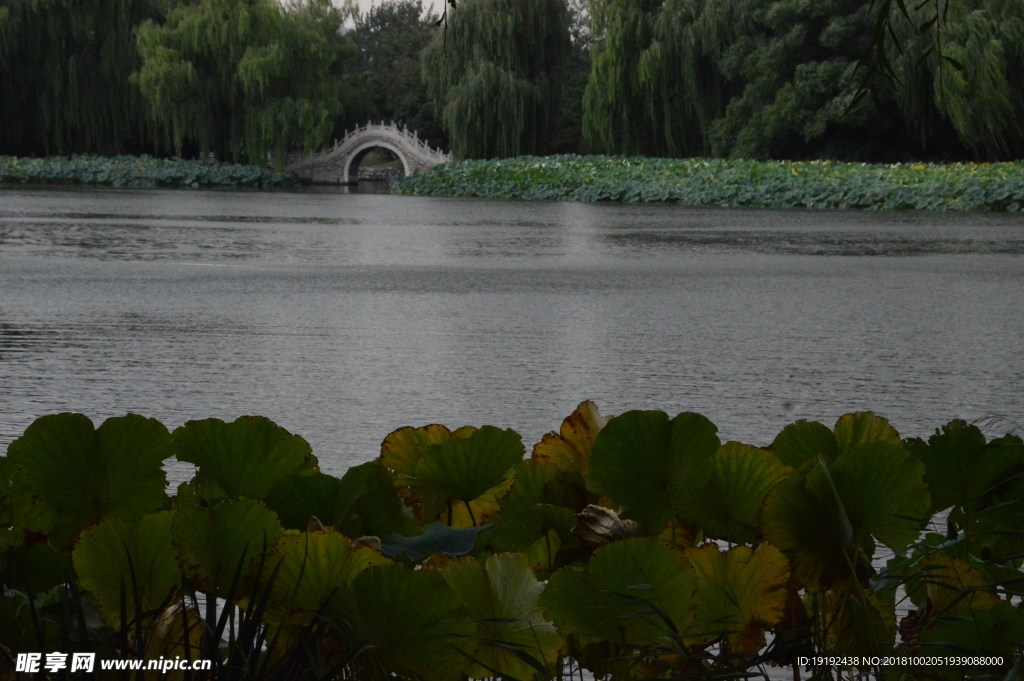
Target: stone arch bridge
340,163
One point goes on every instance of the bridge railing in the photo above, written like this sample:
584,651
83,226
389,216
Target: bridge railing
410,137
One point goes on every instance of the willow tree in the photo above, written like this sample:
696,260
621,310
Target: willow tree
495,76
64,76
242,78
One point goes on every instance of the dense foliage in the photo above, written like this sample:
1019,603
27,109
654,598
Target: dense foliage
388,41
495,74
718,182
780,78
136,172
638,546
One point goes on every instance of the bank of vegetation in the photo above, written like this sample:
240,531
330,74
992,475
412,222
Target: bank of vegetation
639,546
137,172
730,183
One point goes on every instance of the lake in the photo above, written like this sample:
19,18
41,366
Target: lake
345,316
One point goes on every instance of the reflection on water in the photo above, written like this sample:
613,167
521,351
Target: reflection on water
344,316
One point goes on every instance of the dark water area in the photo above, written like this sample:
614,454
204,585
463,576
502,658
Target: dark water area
343,316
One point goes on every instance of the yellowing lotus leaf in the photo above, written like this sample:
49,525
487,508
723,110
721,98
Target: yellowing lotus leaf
740,593
481,510
954,587
636,591
854,622
569,448
502,596
313,567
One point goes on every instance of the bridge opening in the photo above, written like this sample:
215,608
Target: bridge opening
379,164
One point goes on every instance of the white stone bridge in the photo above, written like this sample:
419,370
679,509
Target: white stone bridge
340,163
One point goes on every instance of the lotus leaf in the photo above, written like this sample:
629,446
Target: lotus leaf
637,591
438,538
464,469
169,633
363,502
84,475
313,566
215,543
502,596
954,587
740,594
569,449
863,428
801,444
405,622
993,632
741,478
138,557
245,457
651,465
402,451
828,524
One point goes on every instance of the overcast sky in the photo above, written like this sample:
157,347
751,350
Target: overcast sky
364,5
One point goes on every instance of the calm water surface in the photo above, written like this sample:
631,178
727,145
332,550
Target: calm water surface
343,317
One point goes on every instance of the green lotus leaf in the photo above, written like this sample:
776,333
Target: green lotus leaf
740,594
463,469
651,466
883,492
502,596
801,444
637,591
363,502
862,428
960,469
404,622
245,457
138,556
313,565
34,567
993,632
569,449
215,542
741,477
828,525
85,475
438,538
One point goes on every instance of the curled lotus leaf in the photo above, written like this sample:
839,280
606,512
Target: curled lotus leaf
502,595
137,556
171,629
741,478
864,428
313,566
801,444
83,475
636,591
569,448
599,525
653,467
741,593
216,543
954,587
402,451
245,457
404,622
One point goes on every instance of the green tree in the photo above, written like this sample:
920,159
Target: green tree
389,40
496,76
64,76
243,78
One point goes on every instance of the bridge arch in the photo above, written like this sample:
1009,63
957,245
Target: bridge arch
339,164
360,152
